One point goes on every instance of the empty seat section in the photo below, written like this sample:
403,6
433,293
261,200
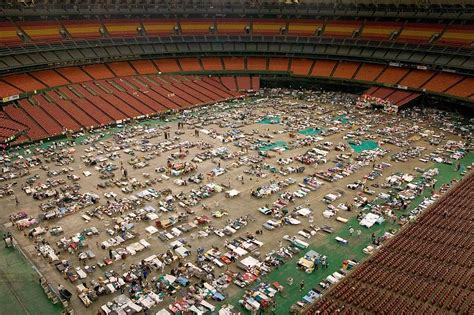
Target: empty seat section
194,90
255,83
167,65
398,96
43,119
369,72
8,90
458,35
42,30
442,81
268,26
93,110
8,34
83,28
301,66
190,64
24,82
121,69
217,84
35,131
74,74
195,26
419,32
144,66
379,30
256,64
69,94
346,69
59,114
323,68
341,28
222,93
178,89
229,82
463,88
122,28
243,83
304,27
49,77
164,97
135,102
79,114
234,63
159,27
278,64
232,26
212,63
392,75
98,71
383,92
416,78
121,106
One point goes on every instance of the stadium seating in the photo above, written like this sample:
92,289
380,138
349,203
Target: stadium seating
419,32
144,66
167,65
392,75
122,28
301,66
278,64
49,78
256,64
83,29
304,27
323,68
42,31
346,70
442,82
195,27
190,64
463,88
23,82
379,30
74,74
8,34
341,28
159,27
369,72
99,71
122,69
268,26
212,64
457,35
232,26
234,63
416,78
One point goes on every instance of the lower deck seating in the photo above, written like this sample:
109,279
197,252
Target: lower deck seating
234,63
101,102
346,70
122,69
257,64
323,68
24,82
144,66
212,64
167,65
392,75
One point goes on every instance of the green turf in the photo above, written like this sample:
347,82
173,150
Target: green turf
270,120
274,145
325,244
20,291
342,118
310,131
364,145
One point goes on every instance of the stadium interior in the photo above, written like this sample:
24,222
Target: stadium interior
144,142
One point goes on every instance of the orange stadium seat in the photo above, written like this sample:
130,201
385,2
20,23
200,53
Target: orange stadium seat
159,27
278,64
416,78
8,34
121,69
442,81
304,27
49,78
341,28
212,63
232,26
98,71
122,28
462,88
74,74
190,64
323,68
24,82
267,26
144,66
167,65
244,83
256,63
8,90
301,66
392,75
234,63
458,35
369,72
83,28
419,32
43,30
346,69
198,26
379,30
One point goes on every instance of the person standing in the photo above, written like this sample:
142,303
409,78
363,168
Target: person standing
302,285
351,231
